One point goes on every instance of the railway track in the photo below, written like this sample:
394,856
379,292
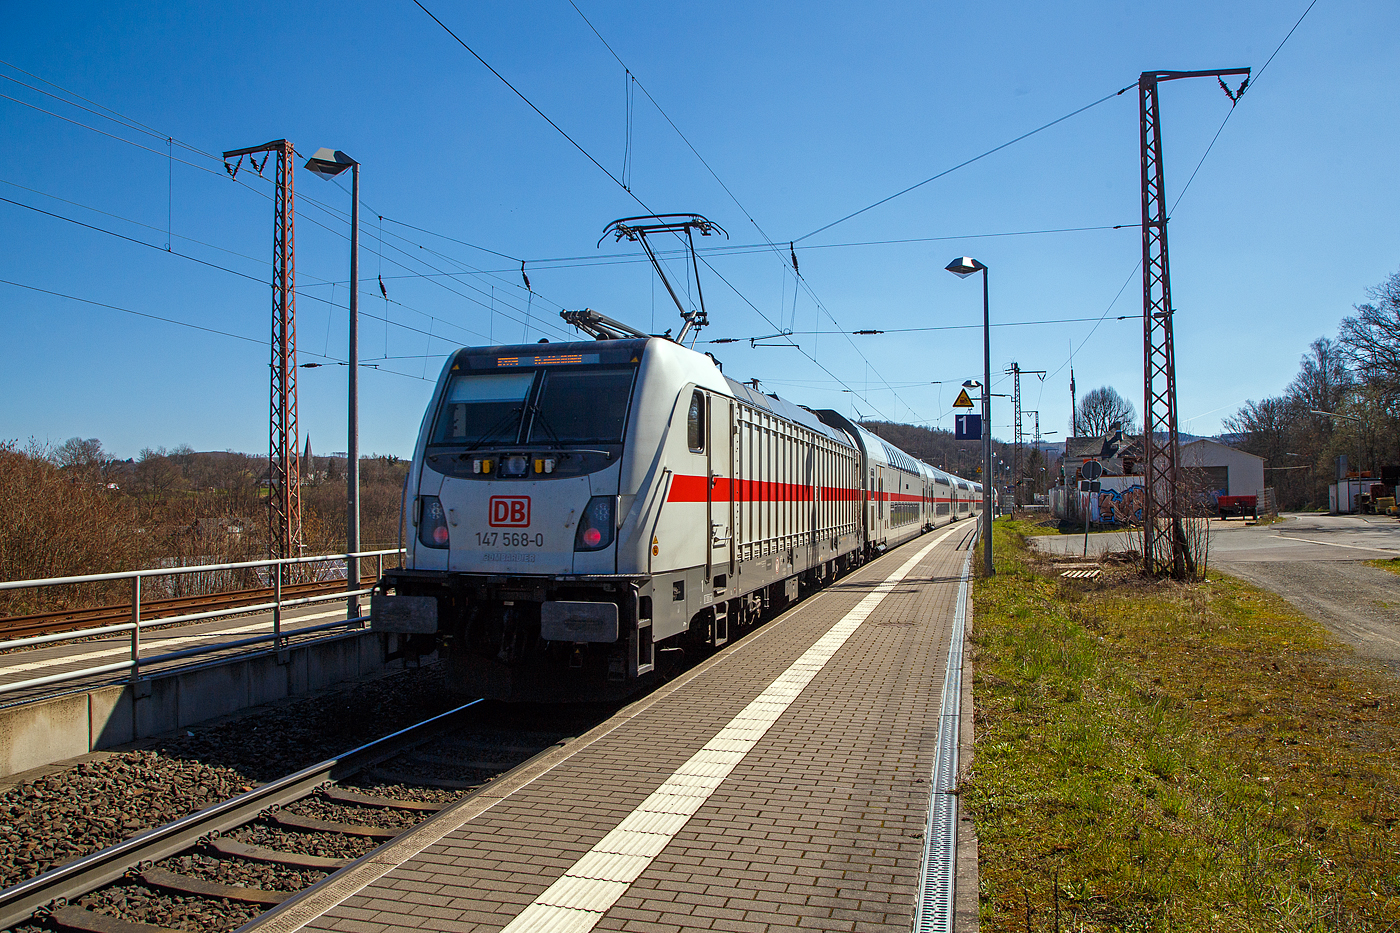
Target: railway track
219,868
75,620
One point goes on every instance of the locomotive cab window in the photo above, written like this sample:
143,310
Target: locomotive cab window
581,407
482,407
695,422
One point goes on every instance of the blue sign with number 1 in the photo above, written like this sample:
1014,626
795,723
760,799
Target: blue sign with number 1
967,427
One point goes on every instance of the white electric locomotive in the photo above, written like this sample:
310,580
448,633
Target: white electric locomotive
575,508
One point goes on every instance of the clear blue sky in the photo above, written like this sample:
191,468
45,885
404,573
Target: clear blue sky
806,112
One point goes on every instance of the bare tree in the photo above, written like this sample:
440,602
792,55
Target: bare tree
1100,409
81,456
1371,339
155,473
1323,380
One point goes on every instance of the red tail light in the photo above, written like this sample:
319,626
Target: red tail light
596,527
432,523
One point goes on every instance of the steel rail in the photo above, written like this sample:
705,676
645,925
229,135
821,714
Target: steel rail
66,883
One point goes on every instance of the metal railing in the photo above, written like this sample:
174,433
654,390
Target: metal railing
135,662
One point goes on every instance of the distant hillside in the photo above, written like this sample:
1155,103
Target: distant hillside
936,446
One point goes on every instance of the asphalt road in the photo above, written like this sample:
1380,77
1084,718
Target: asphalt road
1316,562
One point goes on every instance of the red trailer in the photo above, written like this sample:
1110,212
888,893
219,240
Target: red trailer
1238,505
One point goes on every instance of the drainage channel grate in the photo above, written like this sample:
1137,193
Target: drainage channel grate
935,907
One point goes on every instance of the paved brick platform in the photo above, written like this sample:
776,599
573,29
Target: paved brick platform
783,784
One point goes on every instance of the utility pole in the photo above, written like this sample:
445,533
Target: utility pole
1073,407
1164,535
284,467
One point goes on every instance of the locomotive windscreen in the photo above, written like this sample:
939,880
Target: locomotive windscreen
482,407
535,406
581,407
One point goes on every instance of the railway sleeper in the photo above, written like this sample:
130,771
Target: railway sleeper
90,921
341,795
261,854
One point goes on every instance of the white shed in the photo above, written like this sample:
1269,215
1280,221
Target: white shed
1231,471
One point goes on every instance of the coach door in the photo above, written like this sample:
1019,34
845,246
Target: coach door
719,494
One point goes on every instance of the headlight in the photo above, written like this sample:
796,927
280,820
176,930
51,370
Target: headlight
432,527
596,527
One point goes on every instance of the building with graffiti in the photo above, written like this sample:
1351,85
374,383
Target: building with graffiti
1212,470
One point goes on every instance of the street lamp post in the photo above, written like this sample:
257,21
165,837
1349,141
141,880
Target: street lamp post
962,267
329,163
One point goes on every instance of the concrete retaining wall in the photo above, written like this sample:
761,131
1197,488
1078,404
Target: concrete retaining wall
40,733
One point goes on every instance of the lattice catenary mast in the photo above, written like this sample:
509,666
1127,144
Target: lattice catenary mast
284,472
1164,535
1015,371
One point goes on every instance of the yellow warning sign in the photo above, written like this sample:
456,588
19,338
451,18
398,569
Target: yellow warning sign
963,401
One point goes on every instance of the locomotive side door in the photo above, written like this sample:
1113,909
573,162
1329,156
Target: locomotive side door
719,493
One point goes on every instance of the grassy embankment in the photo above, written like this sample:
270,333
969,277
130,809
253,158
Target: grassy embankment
1155,756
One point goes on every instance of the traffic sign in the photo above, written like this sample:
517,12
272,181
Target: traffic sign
1091,469
967,427
963,401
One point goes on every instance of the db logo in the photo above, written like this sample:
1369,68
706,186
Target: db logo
510,512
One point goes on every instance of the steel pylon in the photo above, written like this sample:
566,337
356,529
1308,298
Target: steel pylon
284,466
1164,535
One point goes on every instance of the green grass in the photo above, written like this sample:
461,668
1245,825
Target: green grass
1028,527
1154,756
1392,564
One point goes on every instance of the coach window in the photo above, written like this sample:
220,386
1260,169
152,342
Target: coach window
695,422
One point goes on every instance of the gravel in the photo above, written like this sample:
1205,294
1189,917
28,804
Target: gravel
242,872
59,817
267,745
319,808
330,845
401,791
52,820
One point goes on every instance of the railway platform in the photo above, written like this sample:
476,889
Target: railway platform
802,778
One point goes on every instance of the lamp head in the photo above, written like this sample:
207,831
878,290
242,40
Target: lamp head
964,266
329,163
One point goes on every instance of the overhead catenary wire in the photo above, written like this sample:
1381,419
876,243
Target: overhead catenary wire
871,332
609,259
235,272
187,324
437,272
529,103
965,163
770,244
132,124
